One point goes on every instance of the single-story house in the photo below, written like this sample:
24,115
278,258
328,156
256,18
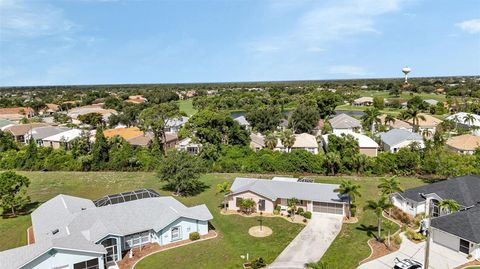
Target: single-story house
431,102
243,122
396,139
461,119
366,145
16,113
429,125
63,139
95,108
397,124
188,145
73,232
257,141
464,144
343,122
20,131
39,133
174,125
303,141
363,101
270,194
459,231
50,109
136,99
465,190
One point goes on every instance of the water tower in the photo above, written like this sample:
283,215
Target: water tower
406,70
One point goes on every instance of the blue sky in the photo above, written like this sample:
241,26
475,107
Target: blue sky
101,42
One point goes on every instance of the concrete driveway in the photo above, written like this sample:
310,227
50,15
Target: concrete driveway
311,243
440,257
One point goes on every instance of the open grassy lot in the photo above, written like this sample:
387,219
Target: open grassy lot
223,252
403,95
187,107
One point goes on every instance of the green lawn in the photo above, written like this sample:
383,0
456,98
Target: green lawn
187,107
403,95
223,252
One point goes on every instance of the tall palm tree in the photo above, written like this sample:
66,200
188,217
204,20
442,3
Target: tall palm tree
378,207
288,139
389,186
469,119
316,265
414,115
270,140
351,190
449,206
223,188
389,118
371,117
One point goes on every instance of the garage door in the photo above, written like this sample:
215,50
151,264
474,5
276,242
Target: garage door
331,208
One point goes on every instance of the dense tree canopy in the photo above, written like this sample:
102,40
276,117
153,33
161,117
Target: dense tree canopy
265,118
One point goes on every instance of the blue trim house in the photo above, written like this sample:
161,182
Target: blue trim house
76,233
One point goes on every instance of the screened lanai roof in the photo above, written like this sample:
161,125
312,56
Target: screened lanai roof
125,197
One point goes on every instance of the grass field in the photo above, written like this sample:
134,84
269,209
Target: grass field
187,107
403,95
233,241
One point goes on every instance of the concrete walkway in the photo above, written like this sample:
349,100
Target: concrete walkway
440,256
311,243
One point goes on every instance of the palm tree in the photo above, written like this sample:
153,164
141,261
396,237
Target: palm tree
351,190
469,118
378,207
389,186
288,139
292,205
414,115
332,160
223,188
316,265
449,206
247,205
389,118
271,140
371,118
426,133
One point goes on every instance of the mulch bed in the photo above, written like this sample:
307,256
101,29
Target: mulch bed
30,237
472,263
379,249
138,254
350,220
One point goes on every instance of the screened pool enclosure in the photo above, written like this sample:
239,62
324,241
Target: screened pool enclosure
125,197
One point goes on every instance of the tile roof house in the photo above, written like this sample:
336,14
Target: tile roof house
459,231
397,124
256,141
16,113
303,141
464,144
136,99
363,101
136,137
343,122
19,131
268,194
366,145
396,139
71,231
429,124
95,108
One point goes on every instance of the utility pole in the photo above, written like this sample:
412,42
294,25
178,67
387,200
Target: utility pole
429,220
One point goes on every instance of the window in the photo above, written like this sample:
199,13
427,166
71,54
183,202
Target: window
137,239
238,201
464,246
90,264
176,233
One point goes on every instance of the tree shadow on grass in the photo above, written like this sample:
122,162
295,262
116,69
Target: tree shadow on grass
370,230
26,210
195,189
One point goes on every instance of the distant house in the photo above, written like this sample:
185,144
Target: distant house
363,101
431,102
136,137
243,122
366,145
397,124
136,99
303,141
257,141
461,119
429,125
19,131
464,144
344,123
63,139
270,194
77,233
16,113
95,108
396,139
458,231
39,133
125,133
188,145
51,109
174,125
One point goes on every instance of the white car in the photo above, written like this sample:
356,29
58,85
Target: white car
407,264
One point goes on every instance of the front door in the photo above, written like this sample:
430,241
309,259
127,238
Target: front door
261,205
111,255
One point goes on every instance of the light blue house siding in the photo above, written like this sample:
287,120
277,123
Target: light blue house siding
63,259
180,230
119,244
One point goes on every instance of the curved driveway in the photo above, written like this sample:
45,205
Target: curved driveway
311,243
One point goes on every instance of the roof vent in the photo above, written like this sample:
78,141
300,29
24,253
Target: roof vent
55,231
84,208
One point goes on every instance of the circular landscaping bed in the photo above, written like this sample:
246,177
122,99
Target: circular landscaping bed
260,231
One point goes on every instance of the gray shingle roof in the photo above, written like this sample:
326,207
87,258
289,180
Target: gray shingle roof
42,132
343,121
395,136
465,190
273,189
465,224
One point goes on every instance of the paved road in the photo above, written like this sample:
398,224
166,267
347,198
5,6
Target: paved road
311,243
440,257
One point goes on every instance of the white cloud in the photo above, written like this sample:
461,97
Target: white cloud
470,26
348,70
33,19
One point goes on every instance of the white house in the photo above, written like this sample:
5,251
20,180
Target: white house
396,139
63,139
363,101
72,232
461,119
303,141
344,123
270,194
366,145
188,145
243,122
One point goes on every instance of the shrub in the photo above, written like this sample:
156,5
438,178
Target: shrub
276,212
397,240
258,263
305,220
307,214
279,208
414,236
194,236
300,211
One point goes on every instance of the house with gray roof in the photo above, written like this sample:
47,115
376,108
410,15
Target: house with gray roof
459,231
270,194
73,232
174,125
344,123
243,122
39,133
396,139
